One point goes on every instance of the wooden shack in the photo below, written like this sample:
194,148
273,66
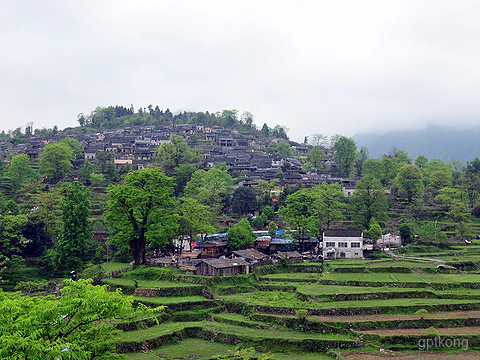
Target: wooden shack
222,267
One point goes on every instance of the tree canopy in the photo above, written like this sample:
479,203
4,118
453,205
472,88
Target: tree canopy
141,211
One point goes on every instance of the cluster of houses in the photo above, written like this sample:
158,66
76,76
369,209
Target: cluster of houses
211,257
136,146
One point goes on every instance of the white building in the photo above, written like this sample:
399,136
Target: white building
342,244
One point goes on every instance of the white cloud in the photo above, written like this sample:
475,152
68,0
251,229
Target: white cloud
314,66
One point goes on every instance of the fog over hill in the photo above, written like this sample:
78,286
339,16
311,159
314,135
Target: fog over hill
434,141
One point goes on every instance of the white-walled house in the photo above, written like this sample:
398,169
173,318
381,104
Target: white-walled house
342,244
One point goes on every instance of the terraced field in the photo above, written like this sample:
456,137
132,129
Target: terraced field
353,310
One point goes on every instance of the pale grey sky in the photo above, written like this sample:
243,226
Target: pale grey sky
314,66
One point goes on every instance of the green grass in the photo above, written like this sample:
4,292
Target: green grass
147,284
299,277
202,350
319,290
289,300
403,278
158,300
187,349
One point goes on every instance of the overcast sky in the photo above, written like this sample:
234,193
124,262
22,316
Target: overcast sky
314,66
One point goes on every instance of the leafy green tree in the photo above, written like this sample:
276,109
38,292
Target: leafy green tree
140,211
368,201
460,213
473,167
195,218
72,247
210,187
373,167
85,173
75,145
240,235
405,232
244,200
44,220
437,174
272,229
12,240
345,154
374,230
283,149
300,212
265,130
329,204
56,161
105,163
259,222
76,325
390,170
409,182
421,161
268,211
182,175
19,172
173,153
316,156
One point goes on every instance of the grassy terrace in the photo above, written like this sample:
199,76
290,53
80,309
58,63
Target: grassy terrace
398,278
289,300
169,300
298,311
147,284
200,349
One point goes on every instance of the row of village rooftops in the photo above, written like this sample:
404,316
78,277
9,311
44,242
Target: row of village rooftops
136,146
211,256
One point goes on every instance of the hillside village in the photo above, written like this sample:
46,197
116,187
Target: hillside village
136,146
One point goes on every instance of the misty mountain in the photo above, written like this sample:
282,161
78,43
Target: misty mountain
432,142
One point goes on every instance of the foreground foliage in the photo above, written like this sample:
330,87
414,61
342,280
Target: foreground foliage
74,326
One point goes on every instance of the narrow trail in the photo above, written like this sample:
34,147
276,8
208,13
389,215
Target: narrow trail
395,256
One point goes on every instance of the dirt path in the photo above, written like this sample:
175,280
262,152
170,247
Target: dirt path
385,317
395,256
468,330
420,355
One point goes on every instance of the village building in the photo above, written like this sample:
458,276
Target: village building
342,244
222,267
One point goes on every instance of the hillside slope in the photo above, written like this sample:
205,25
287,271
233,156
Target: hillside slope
433,142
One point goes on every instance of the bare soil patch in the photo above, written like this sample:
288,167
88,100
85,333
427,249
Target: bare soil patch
420,355
388,317
473,330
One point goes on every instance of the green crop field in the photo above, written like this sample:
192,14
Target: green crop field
298,312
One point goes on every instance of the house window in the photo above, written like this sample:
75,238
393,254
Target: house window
342,244
355,245
342,255
330,244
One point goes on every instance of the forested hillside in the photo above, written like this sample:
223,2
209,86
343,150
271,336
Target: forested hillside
435,141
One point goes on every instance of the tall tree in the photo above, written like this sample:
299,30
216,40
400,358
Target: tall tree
409,182
240,235
173,153
300,212
210,187
368,201
12,240
56,161
345,154
195,218
141,210
244,200
329,203
72,247
19,172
